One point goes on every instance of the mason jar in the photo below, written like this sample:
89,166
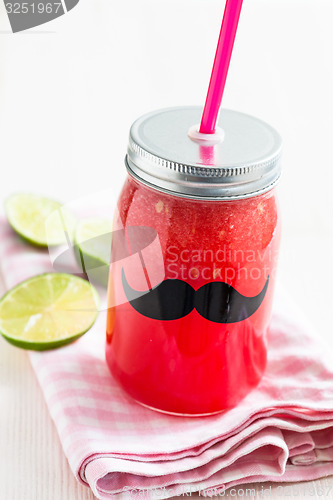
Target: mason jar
194,255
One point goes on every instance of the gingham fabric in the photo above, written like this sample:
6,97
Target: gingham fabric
282,431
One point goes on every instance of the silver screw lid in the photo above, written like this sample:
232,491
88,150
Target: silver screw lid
243,162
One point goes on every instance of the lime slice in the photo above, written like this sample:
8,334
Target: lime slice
48,311
39,220
93,248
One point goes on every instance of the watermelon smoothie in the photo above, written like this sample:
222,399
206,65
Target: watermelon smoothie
189,313
194,365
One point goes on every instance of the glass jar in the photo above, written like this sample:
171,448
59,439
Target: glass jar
194,258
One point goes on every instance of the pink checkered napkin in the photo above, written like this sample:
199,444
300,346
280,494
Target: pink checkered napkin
282,431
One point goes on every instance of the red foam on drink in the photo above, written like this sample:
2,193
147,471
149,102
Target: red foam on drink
221,66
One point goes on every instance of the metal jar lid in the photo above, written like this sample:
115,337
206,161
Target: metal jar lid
244,161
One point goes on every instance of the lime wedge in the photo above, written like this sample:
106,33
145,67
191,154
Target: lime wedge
93,248
48,311
39,220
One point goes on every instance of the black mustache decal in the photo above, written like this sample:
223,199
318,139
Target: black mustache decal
173,299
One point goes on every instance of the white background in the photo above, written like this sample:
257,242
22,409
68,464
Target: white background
69,91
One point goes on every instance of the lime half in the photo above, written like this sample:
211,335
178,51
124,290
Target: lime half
93,248
48,311
39,220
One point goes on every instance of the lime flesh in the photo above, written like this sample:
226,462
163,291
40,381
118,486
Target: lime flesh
39,220
93,248
48,311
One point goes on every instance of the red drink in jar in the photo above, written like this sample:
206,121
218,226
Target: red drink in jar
189,307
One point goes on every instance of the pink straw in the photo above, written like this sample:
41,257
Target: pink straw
221,66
